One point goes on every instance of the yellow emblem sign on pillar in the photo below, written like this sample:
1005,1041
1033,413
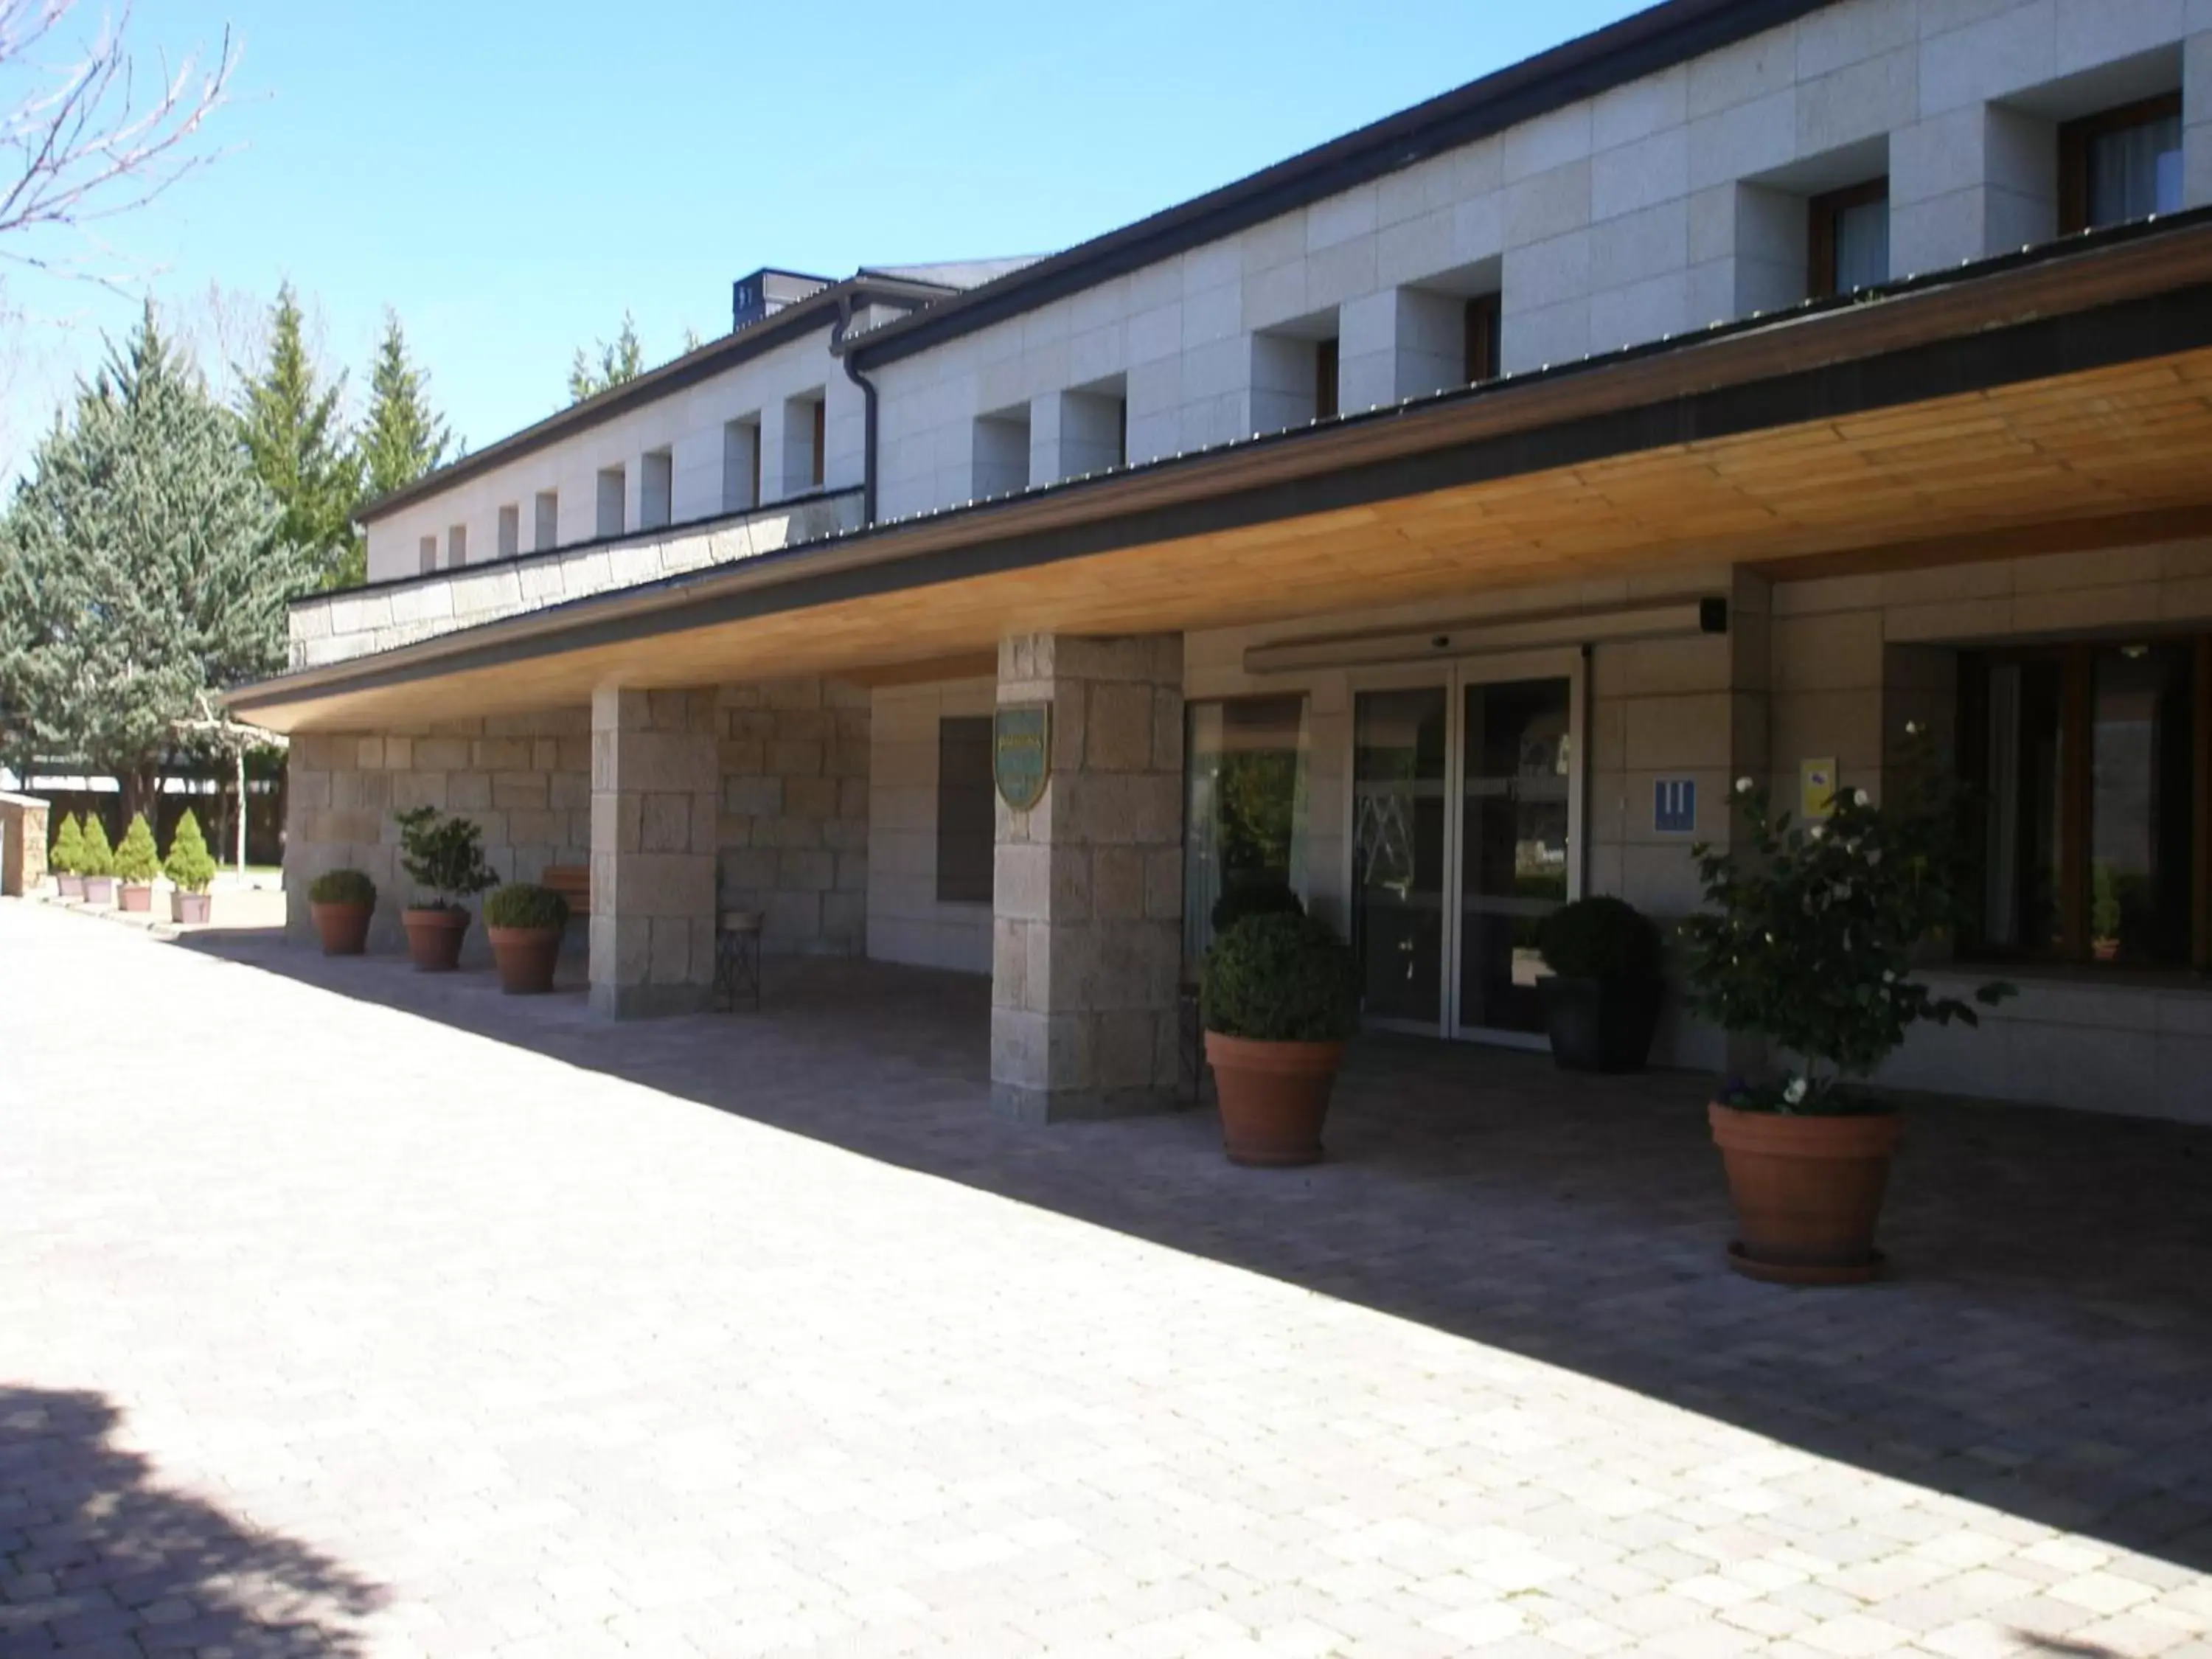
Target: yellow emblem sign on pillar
1816,788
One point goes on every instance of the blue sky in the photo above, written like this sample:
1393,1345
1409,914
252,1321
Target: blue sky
509,176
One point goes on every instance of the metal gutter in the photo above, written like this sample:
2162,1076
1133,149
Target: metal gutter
837,349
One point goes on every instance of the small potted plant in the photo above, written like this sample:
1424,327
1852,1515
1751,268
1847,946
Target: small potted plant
96,859
191,870
65,858
1808,942
525,923
136,863
1602,997
342,902
443,855
1279,998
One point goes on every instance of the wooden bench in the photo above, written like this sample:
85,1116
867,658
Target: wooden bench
573,882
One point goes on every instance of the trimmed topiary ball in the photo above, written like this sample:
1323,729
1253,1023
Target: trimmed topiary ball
1281,978
189,864
1265,897
524,904
343,887
1601,938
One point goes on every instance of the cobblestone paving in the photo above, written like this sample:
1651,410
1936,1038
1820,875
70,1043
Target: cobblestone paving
412,1319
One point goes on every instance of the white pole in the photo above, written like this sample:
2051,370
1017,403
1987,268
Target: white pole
241,815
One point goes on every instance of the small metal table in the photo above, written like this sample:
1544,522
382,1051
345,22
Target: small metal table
738,960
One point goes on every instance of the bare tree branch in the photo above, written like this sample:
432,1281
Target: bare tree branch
93,143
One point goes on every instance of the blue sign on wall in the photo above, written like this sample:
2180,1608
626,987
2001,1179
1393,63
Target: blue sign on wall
1674,806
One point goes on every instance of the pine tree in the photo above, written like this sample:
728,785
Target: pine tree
66,856
94,856
189,864
300,449
621,360
404,437
150,548
136,858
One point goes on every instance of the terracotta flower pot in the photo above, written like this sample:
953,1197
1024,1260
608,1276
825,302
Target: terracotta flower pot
100,890
185,907
136,896
70,887
525,957
1274,1097
434,938
1808,1191
343,928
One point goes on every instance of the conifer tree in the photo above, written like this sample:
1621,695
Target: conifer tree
293,430
136,858
621,360
189,864
404,437
66,856
94,856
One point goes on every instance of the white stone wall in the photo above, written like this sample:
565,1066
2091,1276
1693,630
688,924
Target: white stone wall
906,920
1660,206
690,424
328,628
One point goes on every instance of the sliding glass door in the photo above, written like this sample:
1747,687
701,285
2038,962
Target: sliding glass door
1467,832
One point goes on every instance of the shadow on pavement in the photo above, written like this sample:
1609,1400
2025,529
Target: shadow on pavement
2044,1345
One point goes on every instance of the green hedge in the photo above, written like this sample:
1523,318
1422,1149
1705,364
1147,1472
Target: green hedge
342,887
1281,978
524,904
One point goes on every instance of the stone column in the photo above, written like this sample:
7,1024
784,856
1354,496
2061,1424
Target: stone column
655,780
1087,934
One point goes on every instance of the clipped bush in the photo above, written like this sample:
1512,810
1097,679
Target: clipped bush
137,859
443,855
1261,896
1601,938
343,887
189,864
1281,978
66,856
97,858
524,904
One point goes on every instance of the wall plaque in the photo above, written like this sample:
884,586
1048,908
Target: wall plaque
1021,752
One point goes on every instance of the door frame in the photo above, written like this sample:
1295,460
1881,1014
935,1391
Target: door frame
1456,674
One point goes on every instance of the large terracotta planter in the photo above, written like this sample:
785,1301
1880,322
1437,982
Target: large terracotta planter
1600,1024
70,887
342,928
189,908
100,890
1808,1191
1274,1095
136,896
526,957
434,938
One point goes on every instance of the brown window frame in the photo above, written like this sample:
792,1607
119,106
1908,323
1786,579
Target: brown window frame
2075,790
967,810
1326,382
1820,215
2073,140
1484,319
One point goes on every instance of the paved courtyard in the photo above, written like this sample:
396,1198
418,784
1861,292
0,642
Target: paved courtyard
347,1312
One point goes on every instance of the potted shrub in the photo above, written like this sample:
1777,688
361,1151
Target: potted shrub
1263,897
525,923
97,862
191,870
1808,943
443,855
136,863
1602,997
65,858
1279,998
342,902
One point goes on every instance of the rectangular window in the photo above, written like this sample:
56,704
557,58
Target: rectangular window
510,531
613,490
1848,240
549,520
1325,363
1245,804
741,464
2120,164
818,454
804,426
1484,318
427,555
656,488
1000,463
456,546
2087,762
967,810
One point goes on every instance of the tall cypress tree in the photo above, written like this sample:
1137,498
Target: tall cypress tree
404,437
152,553
299,447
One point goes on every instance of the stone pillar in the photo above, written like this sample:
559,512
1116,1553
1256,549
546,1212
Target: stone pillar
1087,934
655,780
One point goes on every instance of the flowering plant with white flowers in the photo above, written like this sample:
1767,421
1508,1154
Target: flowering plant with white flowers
1809,935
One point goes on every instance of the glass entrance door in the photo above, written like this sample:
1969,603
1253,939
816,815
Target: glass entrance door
1467,832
